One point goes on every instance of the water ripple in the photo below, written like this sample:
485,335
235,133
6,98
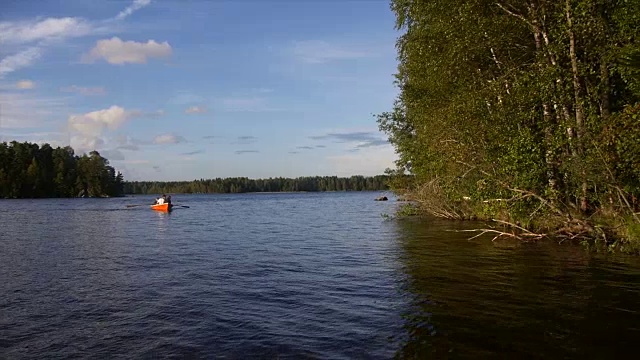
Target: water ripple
293,276
246,279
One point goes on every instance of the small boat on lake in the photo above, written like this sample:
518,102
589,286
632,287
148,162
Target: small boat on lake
163,204
162,207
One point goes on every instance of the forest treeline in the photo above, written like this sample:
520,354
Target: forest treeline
522,111
31,171
244,185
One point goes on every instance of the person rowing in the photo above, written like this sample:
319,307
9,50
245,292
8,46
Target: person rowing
161,200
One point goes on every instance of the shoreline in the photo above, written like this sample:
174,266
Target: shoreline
211,193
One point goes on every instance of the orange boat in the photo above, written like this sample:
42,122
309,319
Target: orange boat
162,207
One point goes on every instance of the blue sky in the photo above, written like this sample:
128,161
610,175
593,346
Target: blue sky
182,90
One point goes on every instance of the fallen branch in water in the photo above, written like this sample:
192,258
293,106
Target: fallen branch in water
432,199
484,231
525,234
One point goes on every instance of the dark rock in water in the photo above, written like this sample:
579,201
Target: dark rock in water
381,198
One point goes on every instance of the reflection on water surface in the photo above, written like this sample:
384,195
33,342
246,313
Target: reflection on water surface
478,298
296,276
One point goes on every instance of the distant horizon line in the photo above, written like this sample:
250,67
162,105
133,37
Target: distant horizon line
260,178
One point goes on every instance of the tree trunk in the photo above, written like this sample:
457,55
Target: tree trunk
578,106
605,107
550,122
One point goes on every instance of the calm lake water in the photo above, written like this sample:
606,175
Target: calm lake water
317,275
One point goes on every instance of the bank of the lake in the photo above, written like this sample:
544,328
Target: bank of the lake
235,185
527,113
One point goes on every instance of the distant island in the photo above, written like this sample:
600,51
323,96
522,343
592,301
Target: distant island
29,170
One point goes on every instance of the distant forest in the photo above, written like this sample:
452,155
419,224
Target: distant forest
244,185
28,170
31,171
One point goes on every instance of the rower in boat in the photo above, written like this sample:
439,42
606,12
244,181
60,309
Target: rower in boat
162,203
161,200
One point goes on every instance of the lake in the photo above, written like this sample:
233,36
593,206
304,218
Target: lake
297,275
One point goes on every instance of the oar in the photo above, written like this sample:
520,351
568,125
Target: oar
130,206
182,206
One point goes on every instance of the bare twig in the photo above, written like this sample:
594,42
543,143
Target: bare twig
526,233
499,234
621,196
519,16
541,199
535,211
510,224
466,172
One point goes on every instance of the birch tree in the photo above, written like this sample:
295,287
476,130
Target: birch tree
523,108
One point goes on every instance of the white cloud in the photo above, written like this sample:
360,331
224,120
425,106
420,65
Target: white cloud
168,139
88,91
118,52
23,32
93,123
196,110
40,33
25,84
83,144
90,130
137,4
317,51
17,61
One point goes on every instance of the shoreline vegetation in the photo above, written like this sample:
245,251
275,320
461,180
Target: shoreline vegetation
29,170
237,185
525,114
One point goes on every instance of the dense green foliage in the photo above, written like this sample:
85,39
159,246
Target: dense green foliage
243,185
31,171
526,111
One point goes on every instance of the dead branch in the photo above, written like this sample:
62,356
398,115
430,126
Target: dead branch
535,211
499,234
526,234
519,16
512,225
574,229
621,196
529,193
